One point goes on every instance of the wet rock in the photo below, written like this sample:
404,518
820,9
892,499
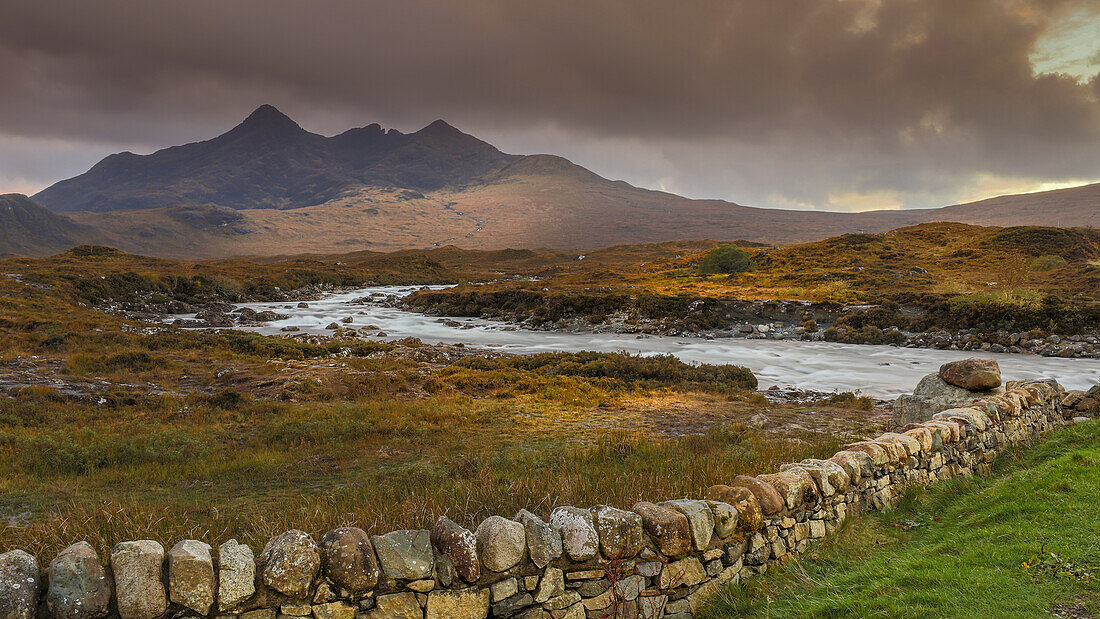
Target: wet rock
291,561
138,568
405,554
19,585
619,531
459,545
973,374
79,587
543,542
191,575
501,543
236,574
349,559
578,532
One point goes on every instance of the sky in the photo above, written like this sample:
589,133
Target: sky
811,104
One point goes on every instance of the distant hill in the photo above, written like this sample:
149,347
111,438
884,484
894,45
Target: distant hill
31,230
270,187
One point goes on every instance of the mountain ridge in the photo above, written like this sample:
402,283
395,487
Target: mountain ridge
268,186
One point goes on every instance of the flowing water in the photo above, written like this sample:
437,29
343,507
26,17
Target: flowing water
878,371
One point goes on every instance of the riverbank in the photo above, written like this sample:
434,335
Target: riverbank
711,318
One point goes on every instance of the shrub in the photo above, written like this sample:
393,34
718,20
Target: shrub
1047,263
725,259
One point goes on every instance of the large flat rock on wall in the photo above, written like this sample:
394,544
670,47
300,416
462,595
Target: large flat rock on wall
934,394
659,559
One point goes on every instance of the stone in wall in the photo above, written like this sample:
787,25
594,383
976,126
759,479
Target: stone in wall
578,532
191,575
405,554
79,587
236,574
138,568
543,541
619,531
19,585
349,559
291,561
666,526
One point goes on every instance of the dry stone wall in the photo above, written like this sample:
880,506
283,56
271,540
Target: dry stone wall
654,560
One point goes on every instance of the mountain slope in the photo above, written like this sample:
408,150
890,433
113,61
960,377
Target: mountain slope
31,230
268,186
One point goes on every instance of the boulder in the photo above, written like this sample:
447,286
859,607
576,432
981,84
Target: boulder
666,526
771,503
972,374
620,532
501,543
349,559
191,575
290,562
19,585
459,545
79,587
236,574
405,554
138,568
543,542
932,395
578,532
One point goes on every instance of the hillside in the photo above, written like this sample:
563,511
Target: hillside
268,186
31,230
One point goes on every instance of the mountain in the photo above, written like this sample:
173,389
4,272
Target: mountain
268,186
31,230
269,161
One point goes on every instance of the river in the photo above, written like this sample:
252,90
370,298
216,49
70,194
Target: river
877,371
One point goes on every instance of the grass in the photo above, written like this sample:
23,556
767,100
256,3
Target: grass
114,428
1023,543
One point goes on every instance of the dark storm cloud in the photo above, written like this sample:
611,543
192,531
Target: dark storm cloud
743,99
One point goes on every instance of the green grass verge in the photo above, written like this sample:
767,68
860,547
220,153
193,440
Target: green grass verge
1023,543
